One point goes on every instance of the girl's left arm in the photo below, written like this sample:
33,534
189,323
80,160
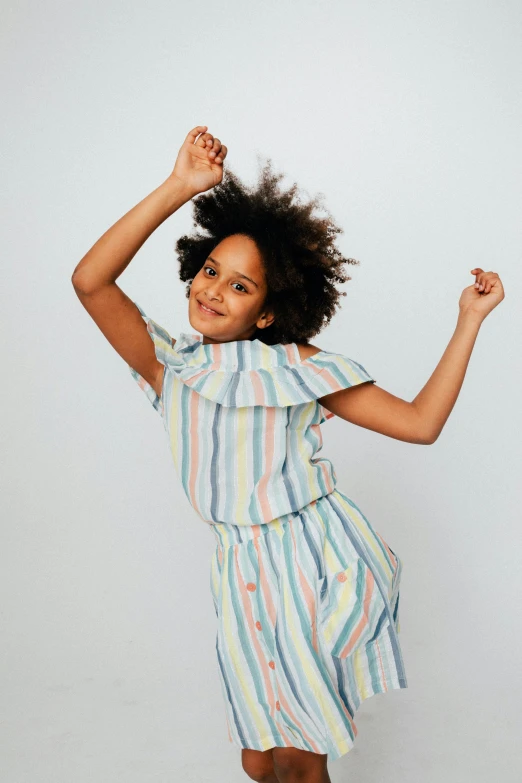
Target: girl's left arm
422,420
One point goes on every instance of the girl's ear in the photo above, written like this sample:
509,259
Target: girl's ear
266,319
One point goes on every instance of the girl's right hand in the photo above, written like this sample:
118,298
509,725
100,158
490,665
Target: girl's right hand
199,165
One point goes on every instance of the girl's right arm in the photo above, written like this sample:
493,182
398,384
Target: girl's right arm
94,279
198,167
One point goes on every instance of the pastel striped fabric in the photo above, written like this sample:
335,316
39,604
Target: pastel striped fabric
306,591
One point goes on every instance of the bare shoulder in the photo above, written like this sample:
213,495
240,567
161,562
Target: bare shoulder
305,351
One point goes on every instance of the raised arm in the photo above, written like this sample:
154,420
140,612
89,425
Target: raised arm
198,167
94,280
422,420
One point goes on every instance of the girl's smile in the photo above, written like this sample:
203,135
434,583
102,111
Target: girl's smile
206,310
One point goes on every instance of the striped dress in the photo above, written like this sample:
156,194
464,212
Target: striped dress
305,590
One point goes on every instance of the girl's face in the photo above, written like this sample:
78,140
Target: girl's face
231,283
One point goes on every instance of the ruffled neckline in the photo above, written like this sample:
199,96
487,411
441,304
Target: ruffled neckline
250,372
236,355
243,373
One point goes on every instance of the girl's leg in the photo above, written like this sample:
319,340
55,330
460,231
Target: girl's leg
293,764
259,765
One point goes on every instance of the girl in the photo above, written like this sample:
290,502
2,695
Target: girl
306,591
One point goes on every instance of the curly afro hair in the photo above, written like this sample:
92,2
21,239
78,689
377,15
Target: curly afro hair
301,263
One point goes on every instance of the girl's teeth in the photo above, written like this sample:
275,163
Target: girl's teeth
208,309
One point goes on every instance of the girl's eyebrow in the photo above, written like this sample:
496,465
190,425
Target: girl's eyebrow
236,273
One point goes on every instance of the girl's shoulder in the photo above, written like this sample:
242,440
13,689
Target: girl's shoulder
307,350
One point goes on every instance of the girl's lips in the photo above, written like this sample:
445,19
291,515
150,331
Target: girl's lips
205,312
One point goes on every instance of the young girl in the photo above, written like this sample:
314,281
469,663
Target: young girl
306,591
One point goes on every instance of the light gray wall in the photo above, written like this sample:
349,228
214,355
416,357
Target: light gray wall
407,116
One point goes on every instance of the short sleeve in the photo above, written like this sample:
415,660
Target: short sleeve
163,349
342,373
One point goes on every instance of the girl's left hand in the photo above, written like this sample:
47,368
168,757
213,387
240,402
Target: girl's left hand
485,294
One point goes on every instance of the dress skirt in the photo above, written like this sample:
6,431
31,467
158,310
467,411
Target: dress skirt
307,612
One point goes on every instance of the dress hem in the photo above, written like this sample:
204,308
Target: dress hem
343,747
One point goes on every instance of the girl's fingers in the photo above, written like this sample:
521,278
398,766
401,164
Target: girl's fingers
191,135
222,154
204,139
490,282
493,280
219,152
214,150
477,271
485,281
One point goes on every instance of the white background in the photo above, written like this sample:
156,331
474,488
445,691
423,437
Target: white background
407,117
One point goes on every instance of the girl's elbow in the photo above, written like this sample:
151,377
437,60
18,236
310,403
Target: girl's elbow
430,438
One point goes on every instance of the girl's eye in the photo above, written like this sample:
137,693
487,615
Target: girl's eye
213,270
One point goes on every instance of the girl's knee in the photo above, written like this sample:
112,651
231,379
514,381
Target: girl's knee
259,765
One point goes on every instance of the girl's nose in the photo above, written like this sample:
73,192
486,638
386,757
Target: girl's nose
213,292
